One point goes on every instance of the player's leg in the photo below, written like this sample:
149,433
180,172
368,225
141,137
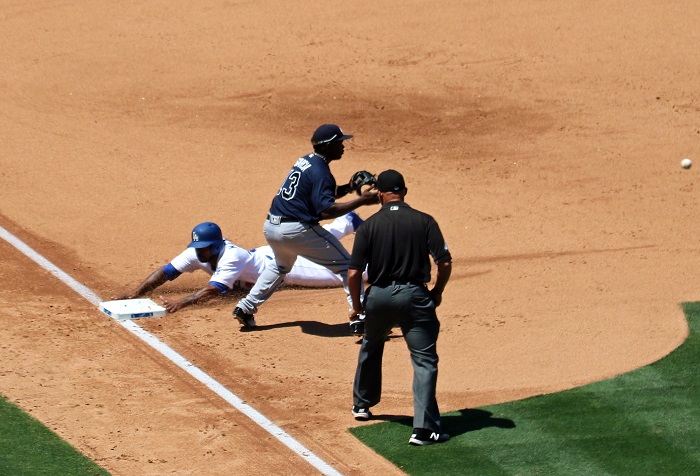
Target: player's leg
308,273
344,225
321,247
274,273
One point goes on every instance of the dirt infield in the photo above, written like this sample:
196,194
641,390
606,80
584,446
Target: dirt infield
545,138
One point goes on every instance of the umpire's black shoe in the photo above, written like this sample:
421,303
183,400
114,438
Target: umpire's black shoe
361,414
246,320
423,437
357,328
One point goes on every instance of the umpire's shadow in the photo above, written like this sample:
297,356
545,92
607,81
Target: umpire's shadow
315,328
469,419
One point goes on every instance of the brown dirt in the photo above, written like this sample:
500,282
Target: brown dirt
545,138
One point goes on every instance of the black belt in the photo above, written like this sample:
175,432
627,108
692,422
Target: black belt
396,282
275,220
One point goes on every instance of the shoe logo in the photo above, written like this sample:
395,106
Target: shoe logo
435,436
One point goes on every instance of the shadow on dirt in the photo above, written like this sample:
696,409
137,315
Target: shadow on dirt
469,419
316,328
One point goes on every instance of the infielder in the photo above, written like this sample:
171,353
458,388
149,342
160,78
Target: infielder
306,196
232,267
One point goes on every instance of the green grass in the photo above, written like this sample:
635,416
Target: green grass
28,448
645,422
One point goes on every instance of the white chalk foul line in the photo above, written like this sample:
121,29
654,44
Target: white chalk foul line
84,291
260,419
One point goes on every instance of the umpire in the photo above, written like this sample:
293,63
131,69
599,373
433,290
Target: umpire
396,243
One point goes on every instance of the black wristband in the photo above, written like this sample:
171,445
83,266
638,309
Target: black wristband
343,190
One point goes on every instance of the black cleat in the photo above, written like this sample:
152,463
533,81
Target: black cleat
247,320
423,437
357,328
361,414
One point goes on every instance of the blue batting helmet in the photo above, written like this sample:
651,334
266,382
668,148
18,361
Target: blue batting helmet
206,234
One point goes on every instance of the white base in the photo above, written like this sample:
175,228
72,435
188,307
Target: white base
132,309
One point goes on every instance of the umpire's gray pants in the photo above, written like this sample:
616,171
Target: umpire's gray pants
288,241
411,307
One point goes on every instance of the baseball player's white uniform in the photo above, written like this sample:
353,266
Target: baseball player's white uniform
238,267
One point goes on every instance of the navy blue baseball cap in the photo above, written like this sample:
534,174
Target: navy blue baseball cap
206,234
390,181
328,133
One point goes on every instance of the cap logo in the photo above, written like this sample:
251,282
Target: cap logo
328,140
194,236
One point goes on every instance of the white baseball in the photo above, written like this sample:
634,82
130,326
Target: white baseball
686,163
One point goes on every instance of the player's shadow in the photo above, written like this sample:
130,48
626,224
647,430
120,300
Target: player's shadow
469,419
315,328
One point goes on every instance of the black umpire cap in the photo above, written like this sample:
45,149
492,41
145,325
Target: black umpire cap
390,181
328,133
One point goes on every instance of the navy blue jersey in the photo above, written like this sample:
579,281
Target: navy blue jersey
307,191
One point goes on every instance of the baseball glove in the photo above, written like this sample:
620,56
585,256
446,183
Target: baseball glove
360,179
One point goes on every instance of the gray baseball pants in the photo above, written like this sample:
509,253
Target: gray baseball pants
288,241
411,307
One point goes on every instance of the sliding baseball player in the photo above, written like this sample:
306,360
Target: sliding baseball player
232,267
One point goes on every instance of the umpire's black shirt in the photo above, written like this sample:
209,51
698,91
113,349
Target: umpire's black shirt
397,243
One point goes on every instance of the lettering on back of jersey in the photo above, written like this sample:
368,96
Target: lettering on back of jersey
302,164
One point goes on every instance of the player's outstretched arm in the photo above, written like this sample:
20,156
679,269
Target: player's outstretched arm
156,279
368,197
200,296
